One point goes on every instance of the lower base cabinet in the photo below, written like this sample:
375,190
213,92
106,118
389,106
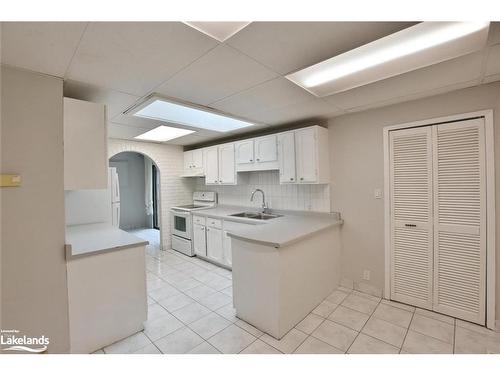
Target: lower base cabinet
199,240
228,257
215,250
212,240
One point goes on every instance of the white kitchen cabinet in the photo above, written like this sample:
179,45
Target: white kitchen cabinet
199,240
227,173
228,256
193,163
220,165
244,152
312,157
211,158
215,249
85,145
286,155
266,149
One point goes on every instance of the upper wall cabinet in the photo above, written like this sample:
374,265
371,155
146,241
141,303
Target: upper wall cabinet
219,165
286,156
85,146
257,154
312,158
193,163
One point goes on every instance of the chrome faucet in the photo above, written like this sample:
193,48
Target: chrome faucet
265,209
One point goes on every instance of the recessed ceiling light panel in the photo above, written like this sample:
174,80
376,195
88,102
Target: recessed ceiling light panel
163,133
218,30
158,108
424,44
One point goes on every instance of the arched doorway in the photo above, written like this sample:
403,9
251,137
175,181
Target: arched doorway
137,210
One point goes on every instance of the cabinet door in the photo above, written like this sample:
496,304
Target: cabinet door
228,256
214,244
266,149
211,166
188,161
244,152
227,174
411,221
197,159
459,219
286,143
199,240
85,145
306,155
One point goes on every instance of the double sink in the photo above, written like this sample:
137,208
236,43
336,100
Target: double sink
256,215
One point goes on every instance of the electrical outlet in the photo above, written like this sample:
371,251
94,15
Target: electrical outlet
366,275
377,193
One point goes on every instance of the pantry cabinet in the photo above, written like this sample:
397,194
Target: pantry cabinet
85,145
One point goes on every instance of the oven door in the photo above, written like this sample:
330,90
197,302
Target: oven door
180,223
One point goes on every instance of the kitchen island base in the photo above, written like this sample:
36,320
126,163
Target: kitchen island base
107,298
275,288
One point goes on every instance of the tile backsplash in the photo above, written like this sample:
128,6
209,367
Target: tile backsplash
284,197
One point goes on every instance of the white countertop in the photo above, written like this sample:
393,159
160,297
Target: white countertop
91,239
279,232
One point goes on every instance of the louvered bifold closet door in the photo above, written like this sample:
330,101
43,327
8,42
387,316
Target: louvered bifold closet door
411,216
459,219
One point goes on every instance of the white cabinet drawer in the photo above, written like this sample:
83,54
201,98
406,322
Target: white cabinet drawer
198,220
214,223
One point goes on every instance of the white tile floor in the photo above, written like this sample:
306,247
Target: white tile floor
190,311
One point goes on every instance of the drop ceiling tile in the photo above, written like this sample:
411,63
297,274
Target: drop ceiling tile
289,46
463,69
493,62
121,131
115,101
135,57
308,110
45,47
221,72
269,95
190,139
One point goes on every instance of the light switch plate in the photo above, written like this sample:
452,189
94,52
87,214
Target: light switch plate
377,193
10,180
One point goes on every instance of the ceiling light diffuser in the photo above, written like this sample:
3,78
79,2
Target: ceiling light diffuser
218,30
163,133
158,108
413,48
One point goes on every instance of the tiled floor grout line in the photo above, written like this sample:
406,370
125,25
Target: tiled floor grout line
407,330
367,320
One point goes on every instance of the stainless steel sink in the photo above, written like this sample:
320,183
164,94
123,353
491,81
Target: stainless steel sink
256,215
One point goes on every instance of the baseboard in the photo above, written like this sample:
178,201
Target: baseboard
362,287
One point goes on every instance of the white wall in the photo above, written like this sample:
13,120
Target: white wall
357,168
174,190
284,197
34,285
130,167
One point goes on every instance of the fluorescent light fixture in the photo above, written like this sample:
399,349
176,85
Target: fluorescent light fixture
163,133
218,30
158,108
413,48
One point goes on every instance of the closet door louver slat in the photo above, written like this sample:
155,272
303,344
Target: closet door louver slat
411,216
459,220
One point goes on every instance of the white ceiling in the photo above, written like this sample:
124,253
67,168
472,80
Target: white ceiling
119,63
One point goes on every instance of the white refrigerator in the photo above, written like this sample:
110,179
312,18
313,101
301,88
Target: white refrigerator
114,187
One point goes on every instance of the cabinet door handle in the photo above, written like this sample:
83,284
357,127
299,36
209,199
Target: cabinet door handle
302,179
251,160
258,159
291,178
411,225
